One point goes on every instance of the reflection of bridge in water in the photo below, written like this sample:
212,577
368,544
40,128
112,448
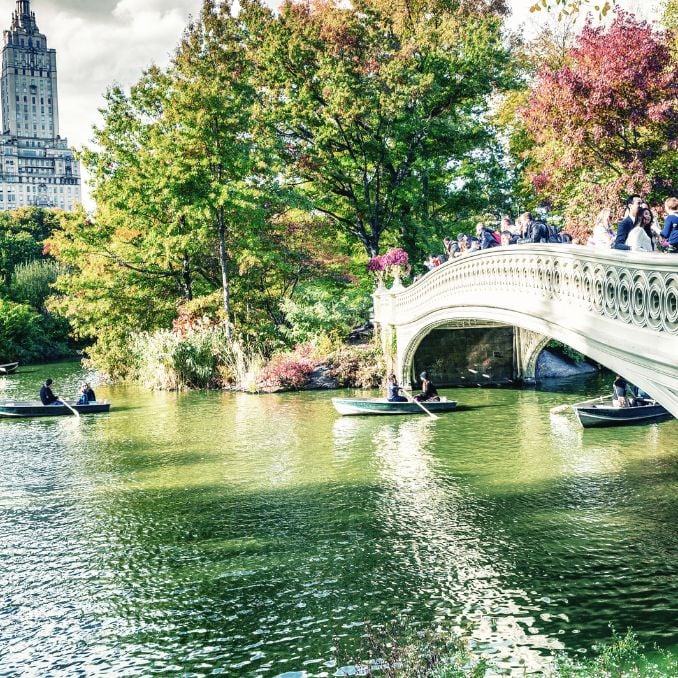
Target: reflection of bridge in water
618,308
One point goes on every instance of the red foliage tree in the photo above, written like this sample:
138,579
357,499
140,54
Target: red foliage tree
606,122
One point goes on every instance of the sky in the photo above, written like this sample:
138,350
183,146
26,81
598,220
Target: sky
102,42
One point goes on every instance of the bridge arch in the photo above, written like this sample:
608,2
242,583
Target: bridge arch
618,308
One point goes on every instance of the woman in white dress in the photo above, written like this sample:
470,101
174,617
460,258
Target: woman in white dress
603,235
640,236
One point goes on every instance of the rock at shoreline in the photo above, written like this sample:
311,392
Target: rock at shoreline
321,380
551,366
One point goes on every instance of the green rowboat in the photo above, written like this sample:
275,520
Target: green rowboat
34,408
365,406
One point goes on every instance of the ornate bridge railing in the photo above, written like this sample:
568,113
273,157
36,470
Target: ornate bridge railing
619,308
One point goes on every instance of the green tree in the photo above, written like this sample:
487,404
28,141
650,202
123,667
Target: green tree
212,146
104,296
188,210
142,221
32,282
29,336
22,235
379,111
174,174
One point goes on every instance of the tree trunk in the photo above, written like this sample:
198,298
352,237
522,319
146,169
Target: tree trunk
223,260
186,278
372,245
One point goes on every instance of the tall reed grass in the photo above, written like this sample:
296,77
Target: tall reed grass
32,282
165,360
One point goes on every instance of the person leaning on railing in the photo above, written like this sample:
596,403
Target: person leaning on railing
641,237
670,230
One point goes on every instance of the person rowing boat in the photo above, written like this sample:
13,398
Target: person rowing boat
393,395
47,397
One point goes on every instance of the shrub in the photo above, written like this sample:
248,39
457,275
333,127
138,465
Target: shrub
623,656
29,336
358,367
19,331
396,652
169,361
287,371
315,313
113,356
165,360
566,351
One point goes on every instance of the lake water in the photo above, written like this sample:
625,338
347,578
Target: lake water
206,533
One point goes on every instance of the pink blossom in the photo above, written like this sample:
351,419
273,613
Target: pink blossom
396,257
376,264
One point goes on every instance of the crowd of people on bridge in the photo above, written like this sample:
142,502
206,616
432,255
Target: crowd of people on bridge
639,230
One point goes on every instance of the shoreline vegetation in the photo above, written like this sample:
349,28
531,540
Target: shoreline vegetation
208,359
433,654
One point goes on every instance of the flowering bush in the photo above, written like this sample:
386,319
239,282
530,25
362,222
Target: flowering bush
376,264
286,371
392,263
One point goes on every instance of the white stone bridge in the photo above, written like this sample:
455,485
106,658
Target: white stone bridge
618,308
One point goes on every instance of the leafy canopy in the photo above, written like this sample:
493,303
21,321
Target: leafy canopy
603,122
376,112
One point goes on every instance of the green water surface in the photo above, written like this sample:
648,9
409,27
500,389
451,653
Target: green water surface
207,533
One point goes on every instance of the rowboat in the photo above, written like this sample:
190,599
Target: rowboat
605,414
34,408
363,406
8,368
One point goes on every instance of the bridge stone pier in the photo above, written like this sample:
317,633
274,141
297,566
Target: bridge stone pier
620,309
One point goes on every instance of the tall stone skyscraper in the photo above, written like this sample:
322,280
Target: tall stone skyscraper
36,166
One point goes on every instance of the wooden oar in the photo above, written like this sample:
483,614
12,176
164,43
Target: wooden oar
559,409
72,409
413,400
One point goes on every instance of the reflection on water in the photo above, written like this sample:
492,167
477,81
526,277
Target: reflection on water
207,532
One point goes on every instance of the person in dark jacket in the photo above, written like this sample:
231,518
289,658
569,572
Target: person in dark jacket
633,203
47,397
670,230
534,231
486,236
619,387
428,390
394,391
